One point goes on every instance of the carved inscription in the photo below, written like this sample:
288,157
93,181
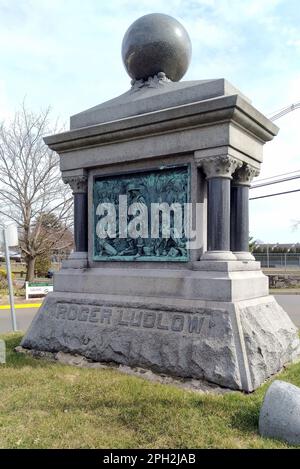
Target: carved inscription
133,318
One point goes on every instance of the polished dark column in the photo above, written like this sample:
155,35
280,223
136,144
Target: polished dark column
218,171
218,225
81,222
239,218
78,184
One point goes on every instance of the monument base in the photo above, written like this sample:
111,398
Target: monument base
236,344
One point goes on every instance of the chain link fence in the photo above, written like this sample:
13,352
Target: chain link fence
282,261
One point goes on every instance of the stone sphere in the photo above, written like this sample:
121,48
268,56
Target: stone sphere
156,43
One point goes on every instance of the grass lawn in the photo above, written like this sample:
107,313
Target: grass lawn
49,405
285,291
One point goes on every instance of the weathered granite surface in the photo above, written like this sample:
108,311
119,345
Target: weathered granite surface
236,345
195,385
280,413
271,339
154,96
163,283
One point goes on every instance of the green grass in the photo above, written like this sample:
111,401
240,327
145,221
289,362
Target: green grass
49,405
284,291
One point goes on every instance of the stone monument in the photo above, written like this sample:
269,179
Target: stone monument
188,307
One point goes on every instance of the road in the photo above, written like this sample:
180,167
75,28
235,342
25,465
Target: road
291,303
24,318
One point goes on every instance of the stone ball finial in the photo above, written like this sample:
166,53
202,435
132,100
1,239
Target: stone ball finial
156,43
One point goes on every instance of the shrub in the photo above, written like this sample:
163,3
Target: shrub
42,265
3,275
3,284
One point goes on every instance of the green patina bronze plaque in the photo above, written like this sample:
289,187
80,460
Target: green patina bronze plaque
141,216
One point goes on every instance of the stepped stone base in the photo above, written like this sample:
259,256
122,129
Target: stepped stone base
237,344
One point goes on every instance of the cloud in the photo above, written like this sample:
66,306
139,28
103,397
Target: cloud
294,42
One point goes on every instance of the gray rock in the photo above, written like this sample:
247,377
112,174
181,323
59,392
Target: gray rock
280,413
2,352
196,385
156,43
270,337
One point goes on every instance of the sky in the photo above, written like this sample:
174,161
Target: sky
67,54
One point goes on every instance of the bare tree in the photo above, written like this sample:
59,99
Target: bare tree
30,183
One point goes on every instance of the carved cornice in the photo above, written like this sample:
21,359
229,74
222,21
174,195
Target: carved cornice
175,119
244,175
152,82
78,184
222,166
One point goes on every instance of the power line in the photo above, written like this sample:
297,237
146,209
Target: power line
277,176
261,182
275,182
284,111
273,195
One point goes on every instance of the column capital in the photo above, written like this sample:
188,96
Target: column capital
244,175
78,183
222,166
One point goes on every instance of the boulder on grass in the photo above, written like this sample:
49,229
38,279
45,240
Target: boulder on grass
280,413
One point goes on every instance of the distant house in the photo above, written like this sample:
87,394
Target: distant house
13,254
